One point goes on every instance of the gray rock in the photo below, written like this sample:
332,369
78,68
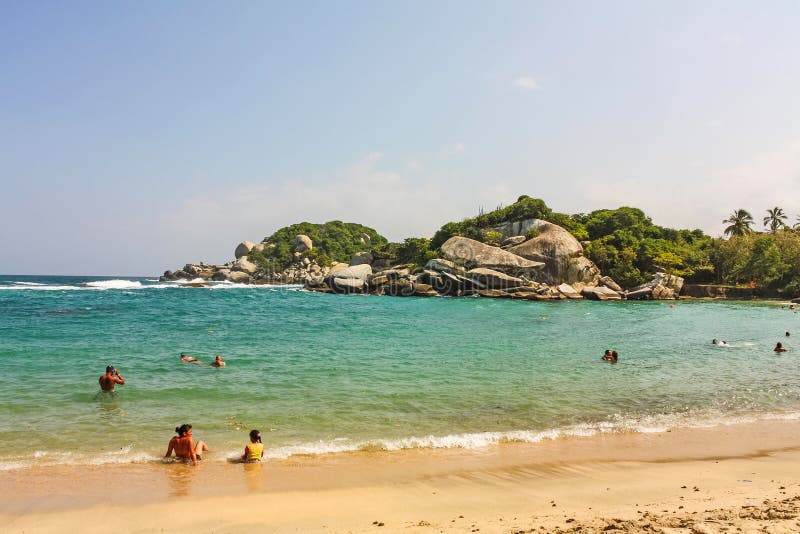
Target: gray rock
358,272
492,279
663,293
645,293
346,285
221,274
180,274
463,250
569,291
244,265
350,279
561,253
444,266
672,282
243,249
513,240
336,267
302,243
610,283
239,277
600,293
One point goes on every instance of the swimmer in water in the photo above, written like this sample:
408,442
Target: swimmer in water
190,359
111,379
218,361
779,348
610,356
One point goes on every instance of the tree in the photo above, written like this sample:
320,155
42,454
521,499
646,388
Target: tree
740,222
774,219
797,224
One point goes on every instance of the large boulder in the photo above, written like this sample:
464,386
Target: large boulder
302,243
513,240
554,246
351,279
239,277
569,291
667,281
444,266
243,249
336,267
475,254
610,283
600,293
221,274
245,265
492,279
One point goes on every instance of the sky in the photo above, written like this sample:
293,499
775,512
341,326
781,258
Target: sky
138,136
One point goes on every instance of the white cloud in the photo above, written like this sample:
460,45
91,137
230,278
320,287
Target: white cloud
526,82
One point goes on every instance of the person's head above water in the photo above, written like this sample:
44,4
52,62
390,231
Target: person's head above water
255,436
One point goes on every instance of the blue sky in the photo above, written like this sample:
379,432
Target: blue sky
135,137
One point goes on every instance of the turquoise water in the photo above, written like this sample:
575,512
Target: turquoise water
323,373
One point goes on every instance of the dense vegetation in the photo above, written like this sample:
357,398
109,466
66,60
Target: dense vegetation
626,245
333,241
623,242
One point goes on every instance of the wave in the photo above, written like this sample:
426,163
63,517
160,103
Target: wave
39,288
114,284
468,441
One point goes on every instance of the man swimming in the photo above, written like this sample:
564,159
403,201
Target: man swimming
218,361
190,359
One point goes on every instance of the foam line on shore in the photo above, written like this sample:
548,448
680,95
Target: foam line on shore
468,441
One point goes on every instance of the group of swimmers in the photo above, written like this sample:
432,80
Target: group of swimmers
218,361
778,347
183,445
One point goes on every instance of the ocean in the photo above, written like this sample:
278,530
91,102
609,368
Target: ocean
319,373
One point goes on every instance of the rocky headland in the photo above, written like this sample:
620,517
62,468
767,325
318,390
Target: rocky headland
533,260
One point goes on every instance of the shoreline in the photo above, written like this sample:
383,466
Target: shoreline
497,489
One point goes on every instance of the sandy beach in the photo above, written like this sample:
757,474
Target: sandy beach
694,480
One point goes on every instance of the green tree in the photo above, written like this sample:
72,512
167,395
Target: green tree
775,219
740,222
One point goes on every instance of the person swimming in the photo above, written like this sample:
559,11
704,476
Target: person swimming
610,356
190,359
779,348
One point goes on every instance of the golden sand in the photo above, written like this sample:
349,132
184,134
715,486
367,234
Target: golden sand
694,480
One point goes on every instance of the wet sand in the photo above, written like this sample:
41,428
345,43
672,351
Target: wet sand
703,480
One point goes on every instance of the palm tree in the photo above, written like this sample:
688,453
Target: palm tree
797,224
774,219
740,222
